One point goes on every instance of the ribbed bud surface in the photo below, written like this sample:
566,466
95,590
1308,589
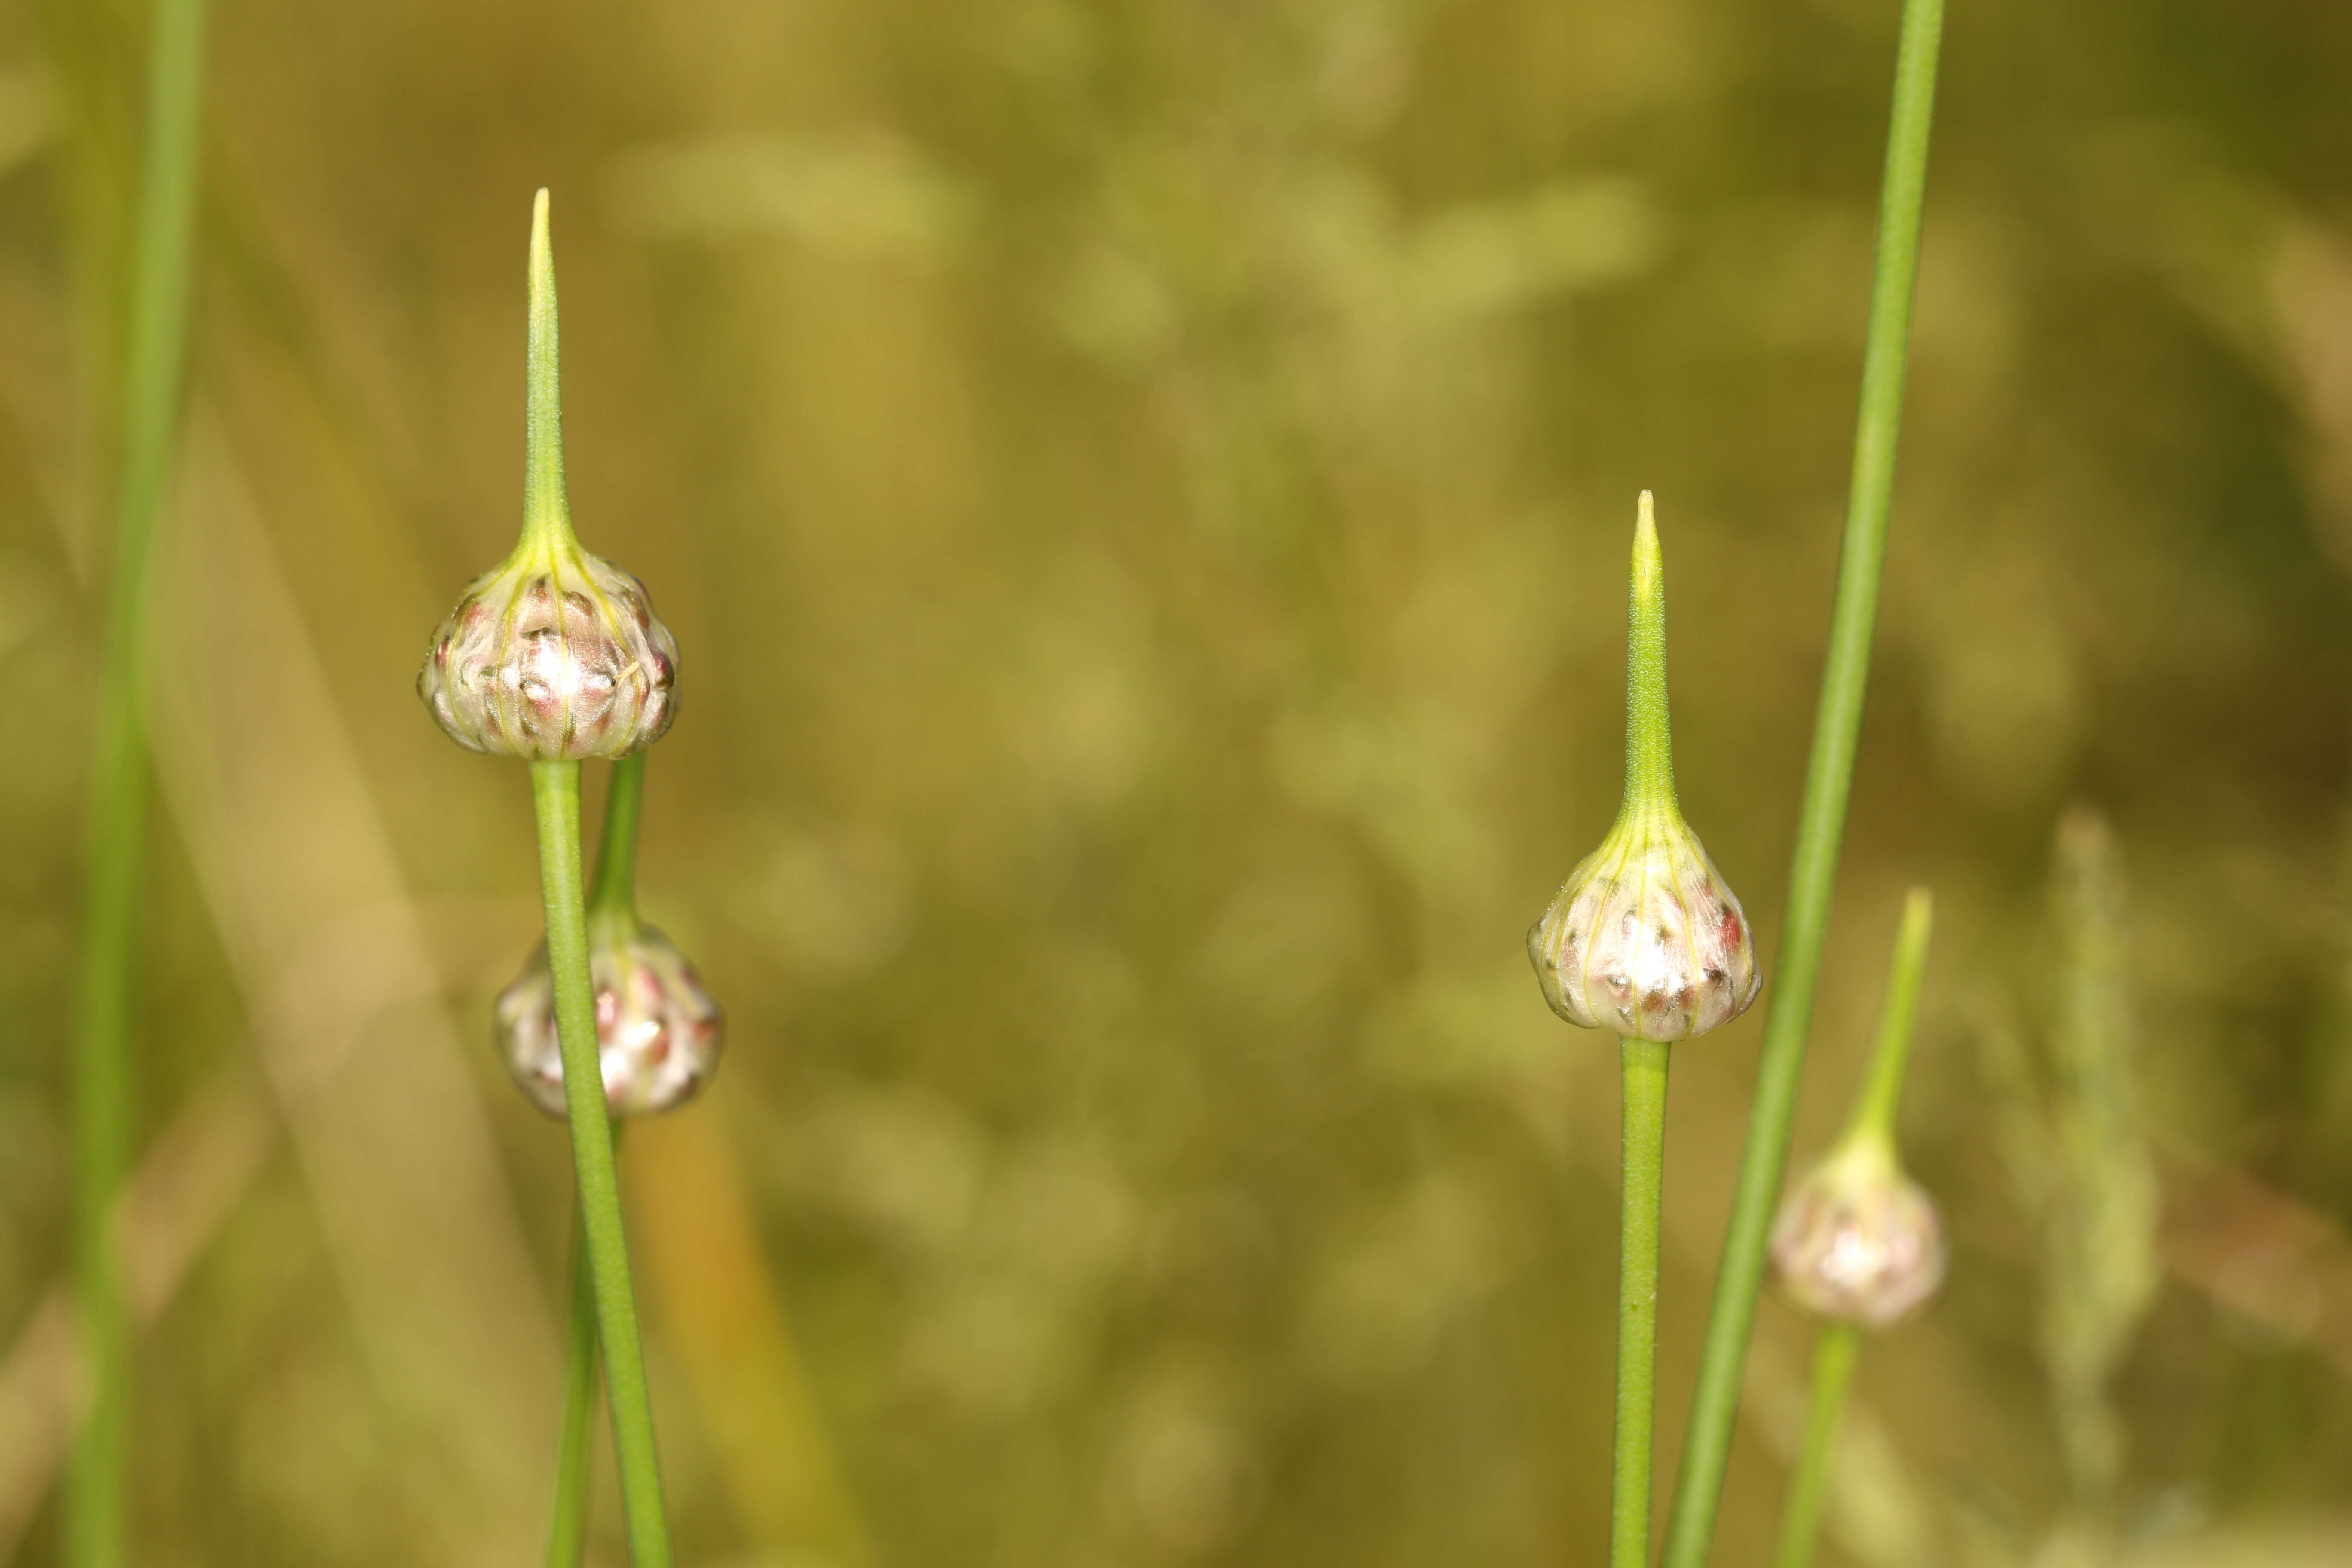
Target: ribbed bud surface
554,656
1646,938
658,1030
1858,1242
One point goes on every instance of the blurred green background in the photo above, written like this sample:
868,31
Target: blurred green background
1142,490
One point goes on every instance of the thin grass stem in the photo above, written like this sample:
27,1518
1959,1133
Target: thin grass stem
555,794
1829,780
95,1513
1643,1153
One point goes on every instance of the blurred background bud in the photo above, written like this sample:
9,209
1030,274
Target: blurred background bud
1857,1241
658,1030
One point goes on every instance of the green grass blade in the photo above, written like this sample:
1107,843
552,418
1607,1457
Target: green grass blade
95,1513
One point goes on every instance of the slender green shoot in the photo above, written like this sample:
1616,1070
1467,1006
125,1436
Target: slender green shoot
555,792
1835,1349
1644,1154
1837,1345
555,796
96,1514
1898,1020
612,895
567,1526
1829,780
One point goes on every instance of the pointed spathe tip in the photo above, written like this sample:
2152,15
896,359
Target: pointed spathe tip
542,250
1648,567
546,517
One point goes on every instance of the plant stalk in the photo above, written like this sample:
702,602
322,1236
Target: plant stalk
95,1513
555,795
567,1528
1835,1349
1829,780
1899,1018
1644,1156
612,895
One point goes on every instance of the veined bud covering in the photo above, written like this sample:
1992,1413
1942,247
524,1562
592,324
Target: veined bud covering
1646,938
658,1030
556,654
1857,1241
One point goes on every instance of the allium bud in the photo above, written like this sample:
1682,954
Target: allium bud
1646,938
556,654
1857,1241
658,1030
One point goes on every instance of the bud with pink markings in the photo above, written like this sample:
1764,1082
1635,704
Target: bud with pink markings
555,655
1858,1241
1646,938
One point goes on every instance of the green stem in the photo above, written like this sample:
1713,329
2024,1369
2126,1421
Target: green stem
1644,1160
613,894
1835,1351
1829,778
1873,1114
555,794
1649,737
567,1528
96,1523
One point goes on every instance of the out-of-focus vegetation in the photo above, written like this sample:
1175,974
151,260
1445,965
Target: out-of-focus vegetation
1142,490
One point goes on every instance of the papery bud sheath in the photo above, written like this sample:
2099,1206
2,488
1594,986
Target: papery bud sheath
1646,938
555,655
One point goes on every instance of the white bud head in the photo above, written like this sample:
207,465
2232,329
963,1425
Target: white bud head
554,656
1646,938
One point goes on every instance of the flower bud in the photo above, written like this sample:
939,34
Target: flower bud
1857,1241
555,655
1646,938
658,1030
